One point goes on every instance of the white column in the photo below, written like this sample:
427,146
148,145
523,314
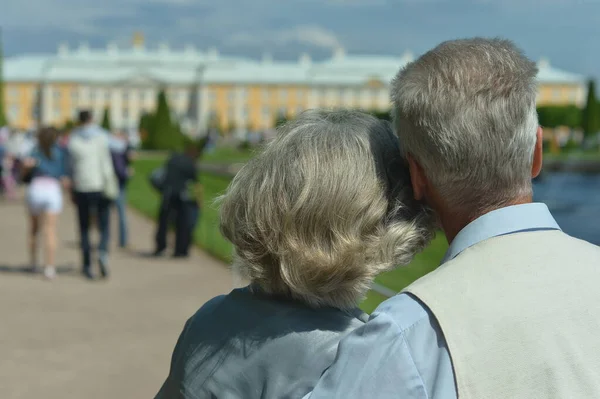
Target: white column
581,95
383,100
84,97
116,107
135,105
47,105
237,112
203,107
313,97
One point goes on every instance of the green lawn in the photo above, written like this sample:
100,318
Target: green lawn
423,263
144,198
227,155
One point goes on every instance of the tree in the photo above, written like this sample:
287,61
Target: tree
145,128
165,134
106,119
281,119
385,115
590,116
69,125
3,120
556,116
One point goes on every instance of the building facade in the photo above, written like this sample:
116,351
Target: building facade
205,88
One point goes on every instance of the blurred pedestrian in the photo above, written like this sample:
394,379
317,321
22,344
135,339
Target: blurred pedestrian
122,155
47,168
181,196
95,186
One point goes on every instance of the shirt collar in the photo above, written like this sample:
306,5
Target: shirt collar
512,219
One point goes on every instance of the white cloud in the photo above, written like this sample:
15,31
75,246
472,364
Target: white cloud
310,35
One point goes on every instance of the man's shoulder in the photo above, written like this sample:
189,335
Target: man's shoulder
402,310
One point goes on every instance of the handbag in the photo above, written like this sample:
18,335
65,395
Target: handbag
111,187
157,179
111,183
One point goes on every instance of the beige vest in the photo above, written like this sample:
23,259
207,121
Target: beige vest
521,316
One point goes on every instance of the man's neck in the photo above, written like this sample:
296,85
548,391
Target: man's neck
453,222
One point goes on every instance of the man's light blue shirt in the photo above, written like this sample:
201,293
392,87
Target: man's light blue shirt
401,352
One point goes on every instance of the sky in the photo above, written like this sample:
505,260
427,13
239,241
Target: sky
566,32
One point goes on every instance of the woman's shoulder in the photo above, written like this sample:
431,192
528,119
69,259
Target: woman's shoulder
228,321
247,307
265,340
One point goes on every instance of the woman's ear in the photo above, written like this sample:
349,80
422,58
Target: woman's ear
418,179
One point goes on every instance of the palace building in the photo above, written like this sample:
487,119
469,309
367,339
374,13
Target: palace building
206,87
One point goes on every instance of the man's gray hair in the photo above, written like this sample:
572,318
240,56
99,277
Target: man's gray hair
466,112
324,209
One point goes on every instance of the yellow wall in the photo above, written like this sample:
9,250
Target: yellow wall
22,97
259,99
64,103
559,94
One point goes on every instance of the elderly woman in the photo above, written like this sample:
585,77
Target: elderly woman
313,219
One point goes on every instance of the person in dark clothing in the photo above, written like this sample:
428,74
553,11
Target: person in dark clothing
122,153
181,194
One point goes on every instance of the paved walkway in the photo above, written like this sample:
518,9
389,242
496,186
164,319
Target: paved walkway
71,338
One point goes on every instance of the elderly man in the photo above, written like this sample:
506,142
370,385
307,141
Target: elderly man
513,310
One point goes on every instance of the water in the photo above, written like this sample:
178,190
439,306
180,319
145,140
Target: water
574,200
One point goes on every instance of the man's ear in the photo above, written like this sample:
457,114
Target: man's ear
538,151
418,179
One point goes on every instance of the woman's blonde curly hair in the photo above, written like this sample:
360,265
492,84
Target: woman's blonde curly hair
323,209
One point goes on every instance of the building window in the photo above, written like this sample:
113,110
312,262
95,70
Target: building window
348,96
244,93
173,96
101,95
13,93
283,94
332,95
74,95
57,113
245,114
125,114
125,96
556,94
266,113
231,96
106,95
573,96
13,113
300,95
265,95
365,95
56,94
